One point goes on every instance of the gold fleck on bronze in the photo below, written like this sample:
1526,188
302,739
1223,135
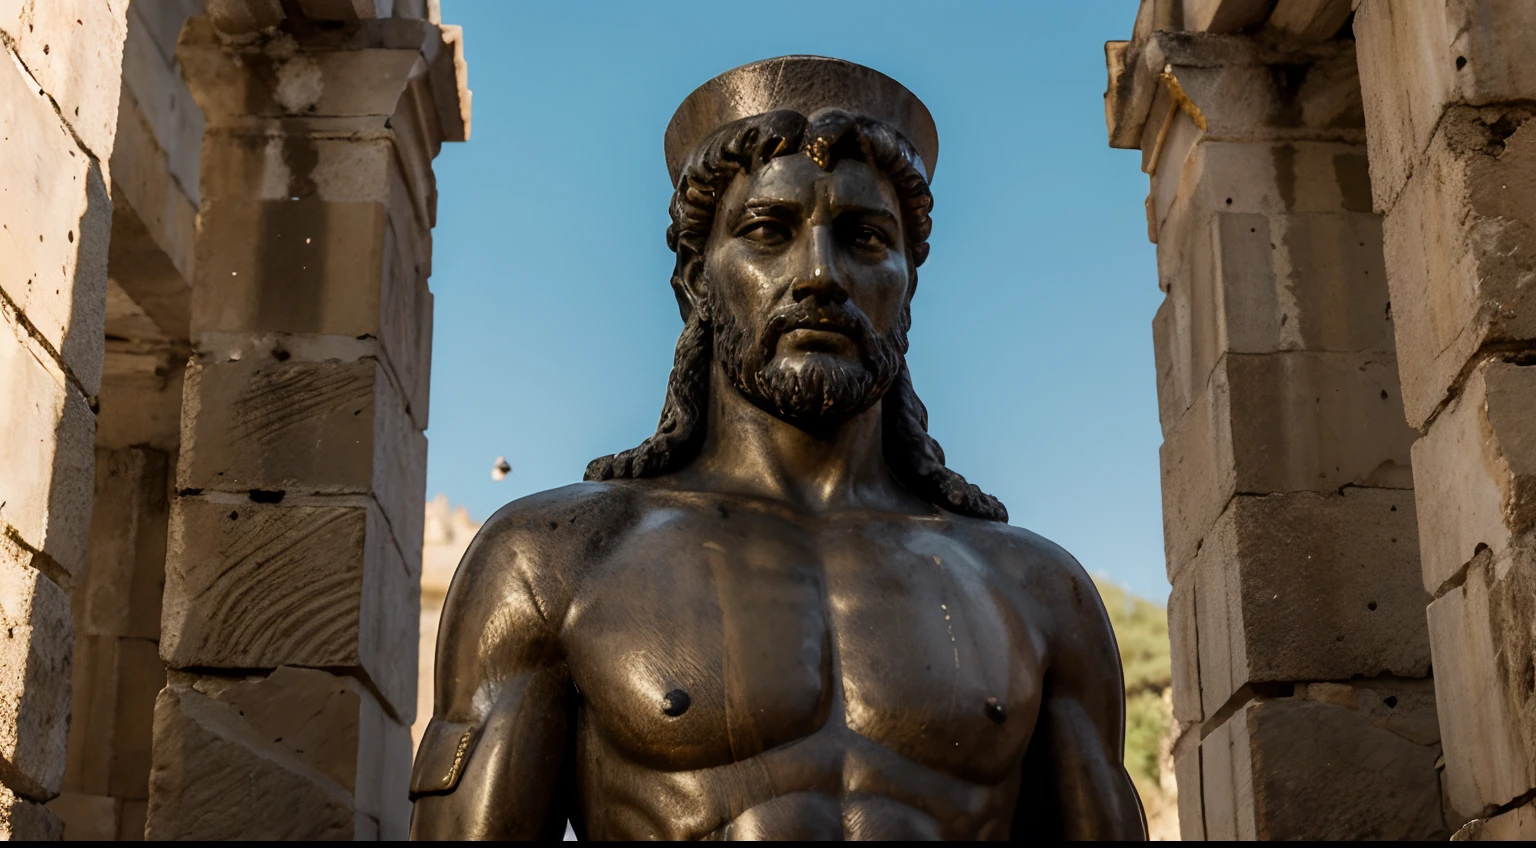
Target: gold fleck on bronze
458,758
818,149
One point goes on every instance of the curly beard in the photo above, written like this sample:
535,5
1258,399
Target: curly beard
821,391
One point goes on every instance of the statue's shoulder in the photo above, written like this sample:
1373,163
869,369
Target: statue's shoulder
1019,552
539,547
1048,573
578,510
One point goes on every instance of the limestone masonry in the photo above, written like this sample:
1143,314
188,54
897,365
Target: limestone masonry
1343,198
215,239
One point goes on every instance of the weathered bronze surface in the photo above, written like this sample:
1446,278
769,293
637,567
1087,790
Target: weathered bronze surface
781,616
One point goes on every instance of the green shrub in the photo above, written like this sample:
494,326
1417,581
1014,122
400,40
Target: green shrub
1141,629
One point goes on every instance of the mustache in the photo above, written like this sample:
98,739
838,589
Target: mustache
829,317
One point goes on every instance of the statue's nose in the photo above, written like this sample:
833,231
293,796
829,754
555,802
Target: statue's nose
819,277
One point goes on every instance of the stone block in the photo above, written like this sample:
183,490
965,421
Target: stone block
1309,587
1266,176
1309,20
1295,768
34,676
12,21
1484,638
245,17
1333,282
24,820
1186,775
1461,246
74,49
327,282
1254,282
383,778
141,676
1402,706
311,723
357,72
162,22
86,817
1187,333
115,684
276,423
1517,825
355,270
407,329
345,10
1419,59
1185,659
1221,16
140,400
220,775
1294,421
1475,471
259,167
418,138
257,585
126,320
162,100
120,595
47,453
154,227
93,714
1251,89
157,296
1226,779
55,222
131,820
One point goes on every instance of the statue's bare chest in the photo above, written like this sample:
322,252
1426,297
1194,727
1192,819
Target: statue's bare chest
708,638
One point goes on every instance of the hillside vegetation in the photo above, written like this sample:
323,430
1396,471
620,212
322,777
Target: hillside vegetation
1141,629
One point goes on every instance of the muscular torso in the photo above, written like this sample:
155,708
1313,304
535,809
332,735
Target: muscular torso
868,675
731,668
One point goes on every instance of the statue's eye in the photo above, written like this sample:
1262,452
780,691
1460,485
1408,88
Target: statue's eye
764,231
871,238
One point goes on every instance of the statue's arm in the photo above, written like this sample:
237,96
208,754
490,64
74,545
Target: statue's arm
491,762
1075,785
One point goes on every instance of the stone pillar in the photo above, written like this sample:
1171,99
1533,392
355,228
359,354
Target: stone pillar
291,596
1449,91
1300,657
116,601
58,107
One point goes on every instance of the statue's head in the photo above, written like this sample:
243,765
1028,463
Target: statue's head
798,230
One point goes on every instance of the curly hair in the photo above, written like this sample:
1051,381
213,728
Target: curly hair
829,136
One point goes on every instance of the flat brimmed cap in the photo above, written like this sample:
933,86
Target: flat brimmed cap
805,84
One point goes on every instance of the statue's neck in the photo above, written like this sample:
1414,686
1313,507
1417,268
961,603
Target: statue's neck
750,451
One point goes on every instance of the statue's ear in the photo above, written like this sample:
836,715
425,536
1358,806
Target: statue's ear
688,280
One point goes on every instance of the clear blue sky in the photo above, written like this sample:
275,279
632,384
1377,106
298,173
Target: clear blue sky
1032,341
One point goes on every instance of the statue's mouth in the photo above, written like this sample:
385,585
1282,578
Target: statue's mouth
824,325
822,340
821,329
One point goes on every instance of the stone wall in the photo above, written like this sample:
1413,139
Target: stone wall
1301,654
116,602
215,239
59,88
1449,93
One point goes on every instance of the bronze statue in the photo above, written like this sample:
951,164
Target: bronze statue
781,616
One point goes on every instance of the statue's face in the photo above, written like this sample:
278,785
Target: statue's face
808,280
